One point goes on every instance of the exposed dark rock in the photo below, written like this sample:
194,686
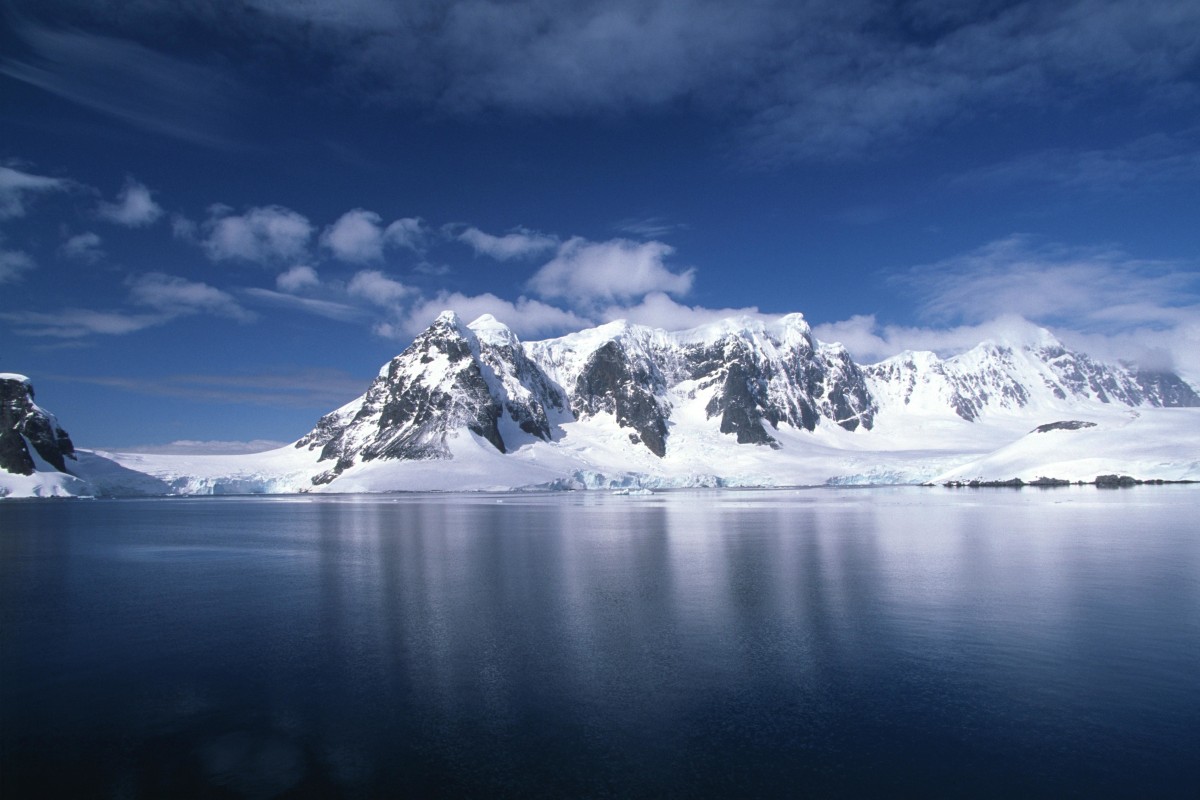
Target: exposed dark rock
1049,482
610,382
435,386
21,419
529,394
1011,483
1115,481
1065,425
1166,389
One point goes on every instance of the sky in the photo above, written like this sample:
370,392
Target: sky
219,219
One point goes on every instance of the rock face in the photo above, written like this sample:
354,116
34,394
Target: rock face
448,379
748,377
24,424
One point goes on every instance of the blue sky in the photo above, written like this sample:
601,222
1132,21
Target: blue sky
217,220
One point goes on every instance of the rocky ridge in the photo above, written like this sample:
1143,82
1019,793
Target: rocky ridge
28,432
751,376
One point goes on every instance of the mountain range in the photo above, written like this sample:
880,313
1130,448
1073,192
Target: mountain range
740,402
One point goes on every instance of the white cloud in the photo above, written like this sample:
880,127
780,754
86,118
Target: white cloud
804,80
585,272
263,235
520,243
374,286
135,208
307,388
192,102
527,317
185,229
407,232
868,341
297,279
660,311
359,236
15,186
1055,284
84,247
309,305
1148,161
73,323
12,264
174,297
1099,300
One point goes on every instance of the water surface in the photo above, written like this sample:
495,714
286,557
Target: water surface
825,642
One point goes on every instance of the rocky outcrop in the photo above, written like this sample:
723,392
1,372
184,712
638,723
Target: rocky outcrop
432,388
24,424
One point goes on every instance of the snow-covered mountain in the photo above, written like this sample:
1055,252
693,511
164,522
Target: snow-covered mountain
739,402
998,377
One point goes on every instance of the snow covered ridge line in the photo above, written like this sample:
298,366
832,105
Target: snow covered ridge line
741,402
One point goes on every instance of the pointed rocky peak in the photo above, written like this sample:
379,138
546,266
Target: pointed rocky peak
23,423
433,389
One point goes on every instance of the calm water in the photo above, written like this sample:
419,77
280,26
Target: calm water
719,644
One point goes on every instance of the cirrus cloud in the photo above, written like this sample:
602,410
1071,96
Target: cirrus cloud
16,187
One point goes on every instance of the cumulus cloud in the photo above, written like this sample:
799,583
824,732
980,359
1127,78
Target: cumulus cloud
407,232
527,317
16,186
586,273
135,208
869,341
297,279
264,235
358,236
372,285
660,311
518,244
83,247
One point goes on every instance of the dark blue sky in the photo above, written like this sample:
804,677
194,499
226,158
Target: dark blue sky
217,220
